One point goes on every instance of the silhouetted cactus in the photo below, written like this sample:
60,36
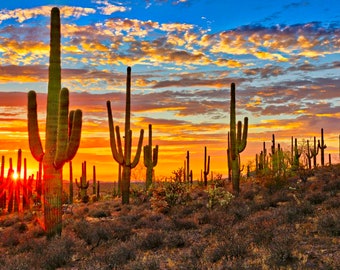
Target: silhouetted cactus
322,147
238,141
83,184
124,158
297,155
187,167
94,180
312,153
150,158
2,184
71,194
10,187
206,166
63,131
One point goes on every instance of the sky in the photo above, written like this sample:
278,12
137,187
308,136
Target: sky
283,55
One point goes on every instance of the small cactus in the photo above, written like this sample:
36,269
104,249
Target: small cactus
206,166
83,184
322,146
150,158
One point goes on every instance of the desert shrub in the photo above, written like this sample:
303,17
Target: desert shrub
237,247
99,213
22,261
218,197
274,183
10,221
332,186
316,197
122,232
294,212
92,233
333,202
174,240
239,210
273,199
149,263
37,231
215,253
57,253
281,248
168,195
10,238
261,228
184,223
329,223
117,256
20,227
152,240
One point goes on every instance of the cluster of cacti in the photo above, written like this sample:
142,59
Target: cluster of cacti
150,158
83,184
123,157
63,131
237,142
11,186
312,153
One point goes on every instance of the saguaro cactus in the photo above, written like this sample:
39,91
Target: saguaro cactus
2,185
150,158
63,131
124,159
83,184
206,166
238,141
322,147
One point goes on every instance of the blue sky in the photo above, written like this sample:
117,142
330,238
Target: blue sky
284,57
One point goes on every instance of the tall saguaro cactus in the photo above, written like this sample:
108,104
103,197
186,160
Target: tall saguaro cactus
124,158
206,166
238,141
63,131
322,146
150,158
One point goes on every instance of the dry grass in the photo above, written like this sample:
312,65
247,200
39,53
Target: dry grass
294,227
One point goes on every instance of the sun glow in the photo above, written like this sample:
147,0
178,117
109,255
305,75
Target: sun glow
15,176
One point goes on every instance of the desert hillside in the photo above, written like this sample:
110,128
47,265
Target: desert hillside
294,225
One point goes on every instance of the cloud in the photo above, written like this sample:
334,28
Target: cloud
22,15
109,8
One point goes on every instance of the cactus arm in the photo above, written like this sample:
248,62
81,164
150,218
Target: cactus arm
208,167
139,148
243,143
62,131
119,144
155,156
147,155
33,128
117,154
75,135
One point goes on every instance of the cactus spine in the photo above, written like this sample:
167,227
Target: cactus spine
150,158
238,141
63,131
124,159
